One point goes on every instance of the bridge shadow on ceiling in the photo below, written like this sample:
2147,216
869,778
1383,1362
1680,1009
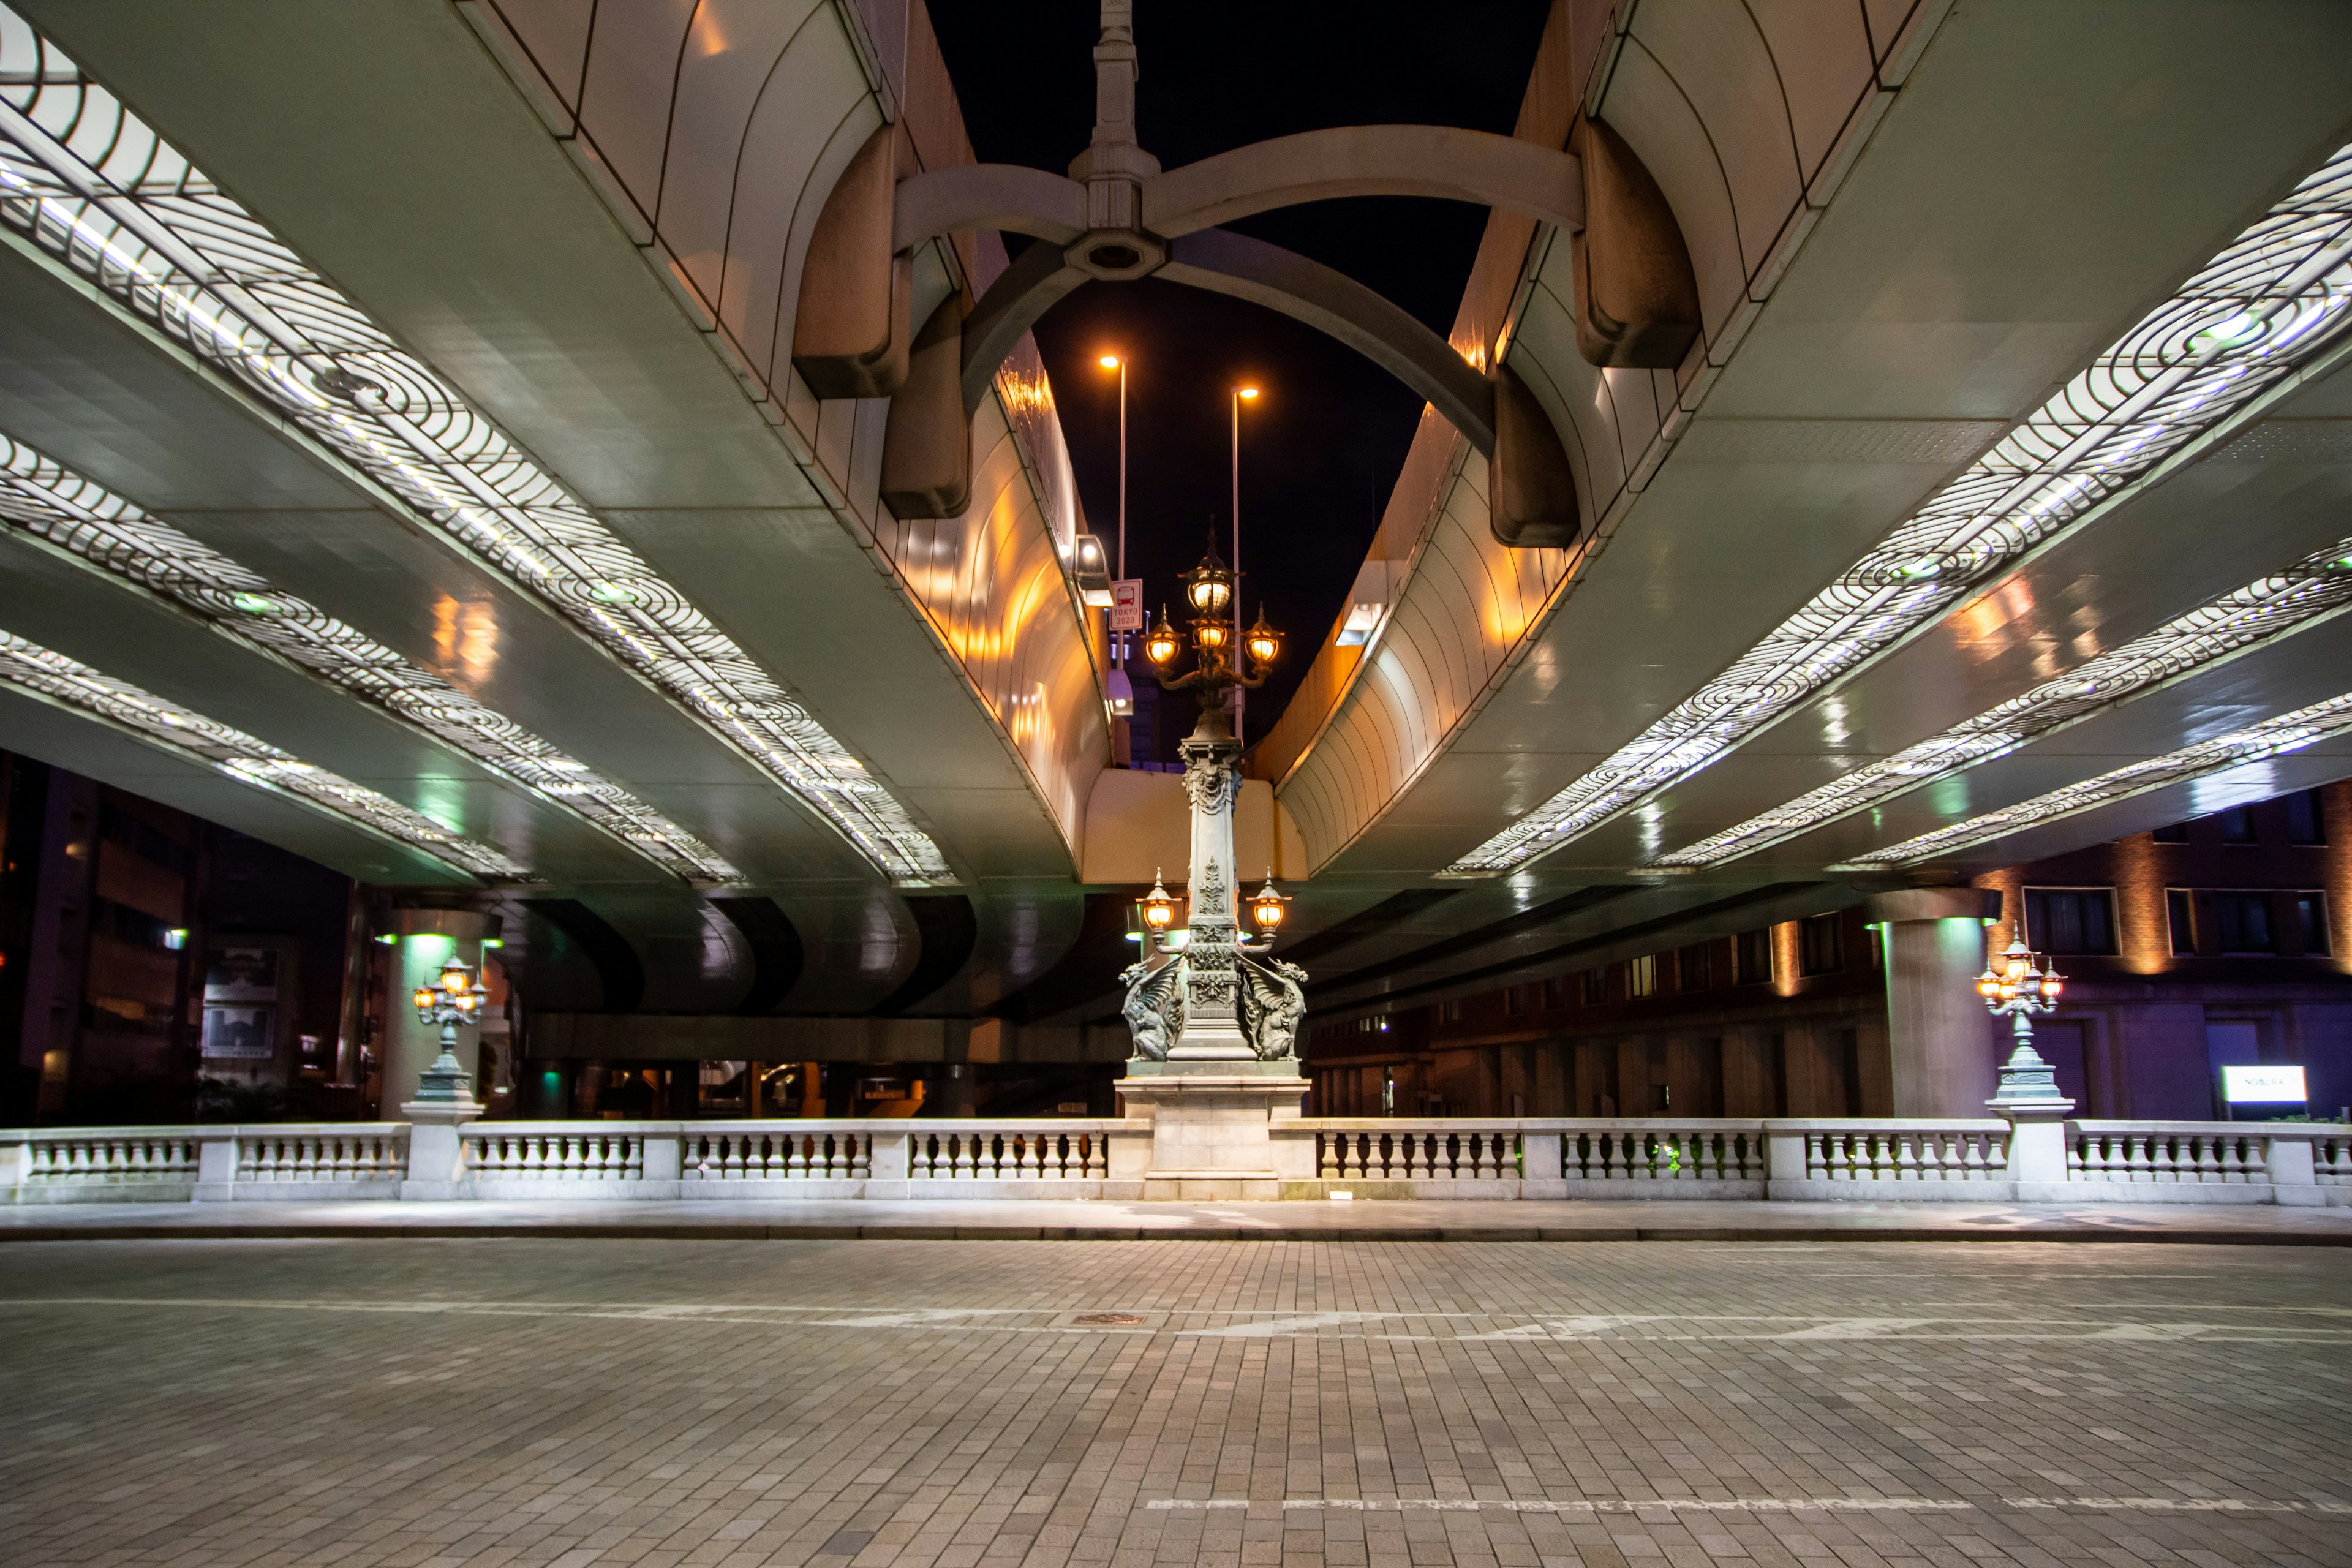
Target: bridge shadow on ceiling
618,968
947,930
1544,914
777,955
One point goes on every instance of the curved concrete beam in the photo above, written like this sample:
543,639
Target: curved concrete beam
1025,292
1438,160
988,195
1223,262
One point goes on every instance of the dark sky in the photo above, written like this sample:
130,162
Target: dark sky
1322,444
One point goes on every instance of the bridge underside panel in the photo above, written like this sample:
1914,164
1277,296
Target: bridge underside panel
385,144
1876,318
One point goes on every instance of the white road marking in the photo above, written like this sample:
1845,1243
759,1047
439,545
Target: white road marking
2324,1507
1856,1328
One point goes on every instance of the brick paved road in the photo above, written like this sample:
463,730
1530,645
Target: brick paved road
947,1404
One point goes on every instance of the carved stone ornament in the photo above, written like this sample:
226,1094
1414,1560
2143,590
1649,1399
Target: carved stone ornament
1211,782
1155,1005
1213,892
1272,1004
1211,990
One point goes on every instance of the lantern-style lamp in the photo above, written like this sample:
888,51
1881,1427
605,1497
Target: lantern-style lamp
453,998
1159,909
1262,641
1212,633
1161,644
1265,907
1209,587
2019,985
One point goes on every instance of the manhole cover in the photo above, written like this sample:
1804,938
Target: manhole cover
1109,1320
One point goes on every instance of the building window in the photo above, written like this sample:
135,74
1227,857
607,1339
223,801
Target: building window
1820,944
2242,922
2237,824
2070,919
1515,1000
2304,823
1692,970
1593,987
2180,911
2176,834
1642,975
1450,1011
2310,913
1753,956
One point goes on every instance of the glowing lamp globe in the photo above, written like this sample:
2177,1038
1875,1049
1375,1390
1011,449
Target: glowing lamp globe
1265,907
1209,587
1161,644
1262,641
1159,909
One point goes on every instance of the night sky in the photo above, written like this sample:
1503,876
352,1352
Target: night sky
1322,444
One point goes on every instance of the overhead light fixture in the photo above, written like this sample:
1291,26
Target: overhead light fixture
2272,738
50,676
104,532
159,241
2186,369
1090,569
2263,611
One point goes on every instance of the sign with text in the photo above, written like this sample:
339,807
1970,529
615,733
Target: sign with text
2263,1086
1127,604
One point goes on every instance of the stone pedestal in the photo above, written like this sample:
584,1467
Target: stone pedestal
1211,1126
435,1153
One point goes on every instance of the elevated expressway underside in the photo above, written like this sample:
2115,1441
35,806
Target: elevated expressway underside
601,263
1910,226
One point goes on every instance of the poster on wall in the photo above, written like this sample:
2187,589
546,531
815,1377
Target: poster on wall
242,974
239,1034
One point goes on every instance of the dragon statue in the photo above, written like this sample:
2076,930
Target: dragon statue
1155,1005
1271,1004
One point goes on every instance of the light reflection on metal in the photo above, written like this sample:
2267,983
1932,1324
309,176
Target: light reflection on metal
2229,624
28,667
42,498
2243,322
2272,738
89,182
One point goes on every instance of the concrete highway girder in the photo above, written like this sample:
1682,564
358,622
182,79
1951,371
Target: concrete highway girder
1182,244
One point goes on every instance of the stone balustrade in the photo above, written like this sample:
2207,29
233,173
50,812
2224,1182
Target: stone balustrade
2209,1162
1451,1158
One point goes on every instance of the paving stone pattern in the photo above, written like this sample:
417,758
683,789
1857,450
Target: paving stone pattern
1230,1403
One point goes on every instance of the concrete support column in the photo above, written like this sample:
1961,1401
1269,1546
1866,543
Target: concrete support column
426,940
1940,1040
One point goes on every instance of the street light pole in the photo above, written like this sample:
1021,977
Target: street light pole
1119,363
1122,465
1241,394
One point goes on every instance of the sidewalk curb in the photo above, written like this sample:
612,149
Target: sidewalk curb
562,1230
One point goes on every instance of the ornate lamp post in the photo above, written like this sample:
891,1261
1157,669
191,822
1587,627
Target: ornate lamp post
1204,993
454,997
2021,984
